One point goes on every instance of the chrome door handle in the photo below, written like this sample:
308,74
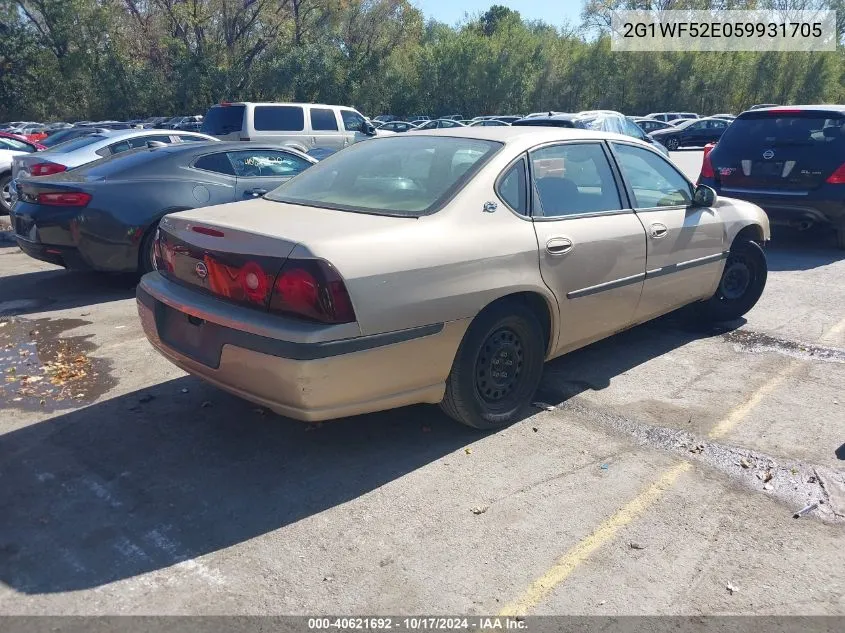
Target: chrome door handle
558,246
658,230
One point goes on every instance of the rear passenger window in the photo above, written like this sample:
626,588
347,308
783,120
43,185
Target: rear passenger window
279,118
573,178
511,188
218,163
323,119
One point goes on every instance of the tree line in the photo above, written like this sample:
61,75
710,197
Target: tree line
98,59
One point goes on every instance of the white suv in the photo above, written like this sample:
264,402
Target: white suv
302,126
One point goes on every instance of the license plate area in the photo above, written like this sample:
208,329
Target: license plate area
767,169
189,335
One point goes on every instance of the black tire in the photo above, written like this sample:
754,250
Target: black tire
504,332
146,254
5,194
840,238
742,283
672,144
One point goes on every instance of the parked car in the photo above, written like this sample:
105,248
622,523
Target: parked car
437,124
599,120
297,125
155,122
385,118
789,160
763,105
63,136
488,123
695,132
397,126
649,125
7,155
20,143
278,285
86,149
730,117
671,116
103,216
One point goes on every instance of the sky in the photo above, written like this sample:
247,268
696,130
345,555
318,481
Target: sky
553,12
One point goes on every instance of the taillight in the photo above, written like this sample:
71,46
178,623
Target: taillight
706,168
248,282
45,169
837,177
64,199
313,289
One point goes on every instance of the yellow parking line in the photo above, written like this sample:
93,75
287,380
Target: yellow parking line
724,426
567,563
635,508
833,333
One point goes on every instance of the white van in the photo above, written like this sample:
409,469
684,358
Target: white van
302,126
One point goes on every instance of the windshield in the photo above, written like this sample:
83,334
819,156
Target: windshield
14,144
223,120
406,176
812,129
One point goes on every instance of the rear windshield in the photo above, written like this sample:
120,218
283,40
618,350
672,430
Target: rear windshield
223,120
80,142
403,176
767,129
114,165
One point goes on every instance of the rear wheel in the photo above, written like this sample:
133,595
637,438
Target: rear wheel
742,282
146,252
6,193
497,368
840,237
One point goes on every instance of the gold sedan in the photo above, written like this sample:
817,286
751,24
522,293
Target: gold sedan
443,267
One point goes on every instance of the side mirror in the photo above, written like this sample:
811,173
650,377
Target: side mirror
704,196
368,128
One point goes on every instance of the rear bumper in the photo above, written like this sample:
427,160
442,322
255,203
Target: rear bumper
306,380
86,239
819,207
59,255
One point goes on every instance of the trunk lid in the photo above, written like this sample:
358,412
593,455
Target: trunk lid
208,247
780,150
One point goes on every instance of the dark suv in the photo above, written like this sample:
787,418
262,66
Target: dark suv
788,160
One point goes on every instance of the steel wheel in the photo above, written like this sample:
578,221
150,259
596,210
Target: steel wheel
499,366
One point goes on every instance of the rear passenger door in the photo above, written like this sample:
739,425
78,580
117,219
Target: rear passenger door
280,124
592,245
686,244
325,130
259,171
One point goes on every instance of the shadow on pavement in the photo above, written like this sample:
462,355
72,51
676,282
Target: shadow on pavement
131,485
593,367
59,289
790,249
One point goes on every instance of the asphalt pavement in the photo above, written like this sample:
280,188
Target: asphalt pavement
659,474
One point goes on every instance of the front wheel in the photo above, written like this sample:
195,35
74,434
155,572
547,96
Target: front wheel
672,144
742,283
497,368
6,193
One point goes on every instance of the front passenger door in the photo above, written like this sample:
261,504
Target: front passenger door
592,246
686,244
260,171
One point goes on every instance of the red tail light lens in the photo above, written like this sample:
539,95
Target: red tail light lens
312,289
64,199
45,169
706,168
837,177
248,282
